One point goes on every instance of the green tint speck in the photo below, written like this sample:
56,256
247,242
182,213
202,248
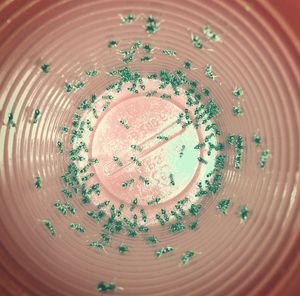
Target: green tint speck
45,68
136,147
131,233
238,92
106,287
70,208
165,215
209,73
196,41
193,225
264,155
134,203
91,73
136,44
152,25
117,160
238,142
165,96
237,111
122,248
160,220
68,87
244,213
154,201
68,194
61,208
169,52
49,226
164,138
77,227
36,115
145,180
151,240
210,34
194,209
256,139
135,160
147,48
129,19
112,43
124,123
59,146
146,59
181,151
185,259
163,251
151,93
97,245
187,65
223,206
38,182
176,227
10,121
79,84
172,180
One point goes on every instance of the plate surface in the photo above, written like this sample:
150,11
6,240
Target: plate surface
257,52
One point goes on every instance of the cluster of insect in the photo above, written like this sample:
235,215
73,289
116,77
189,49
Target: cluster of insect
201,110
